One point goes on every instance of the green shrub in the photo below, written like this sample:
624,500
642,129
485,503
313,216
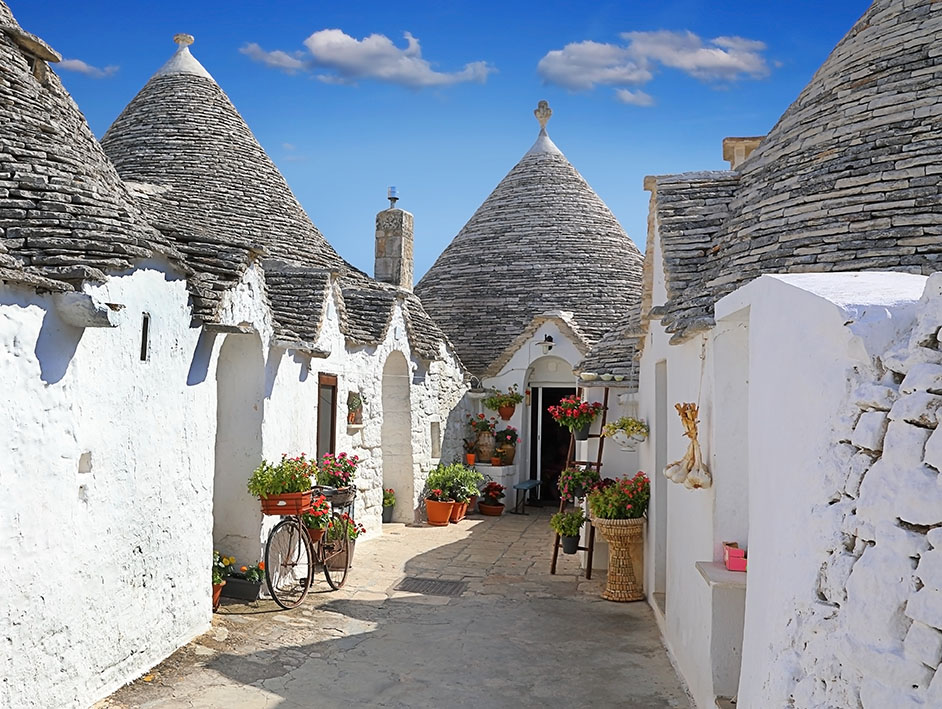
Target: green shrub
568,524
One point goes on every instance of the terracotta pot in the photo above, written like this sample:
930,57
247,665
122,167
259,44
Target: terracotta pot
496,460
570,544
290,503
473,505
469,458
506,411
388,513
485,445
217,592
625,539
315,534
439,513
458,511
507,453
490,510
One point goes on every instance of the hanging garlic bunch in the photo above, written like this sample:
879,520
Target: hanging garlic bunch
689,470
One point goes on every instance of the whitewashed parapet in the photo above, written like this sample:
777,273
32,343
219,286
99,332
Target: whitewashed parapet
875,637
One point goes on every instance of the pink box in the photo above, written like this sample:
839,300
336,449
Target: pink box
736,563
734,557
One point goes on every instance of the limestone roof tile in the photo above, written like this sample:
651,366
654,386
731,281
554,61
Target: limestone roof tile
848,179
542,241
63,209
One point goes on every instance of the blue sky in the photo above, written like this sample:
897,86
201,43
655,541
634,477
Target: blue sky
437,98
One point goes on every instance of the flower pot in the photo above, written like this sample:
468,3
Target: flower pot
473,505
570,544
458,511
315,534
490,510
625,558
627,443
388,513
439,513
335,563
469,458
506,411
507,453
217,592
290,503
485,445
496,460
582,433
241,589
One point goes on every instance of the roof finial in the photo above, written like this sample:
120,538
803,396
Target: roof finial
184,40
543,113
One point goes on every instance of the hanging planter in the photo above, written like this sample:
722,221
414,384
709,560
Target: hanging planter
576,415
570,544
626,432
582,433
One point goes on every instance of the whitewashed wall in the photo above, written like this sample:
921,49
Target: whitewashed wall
108,480
687,619
847,563
112,491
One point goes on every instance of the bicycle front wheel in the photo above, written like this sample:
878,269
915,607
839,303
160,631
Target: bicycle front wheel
288,563
337,556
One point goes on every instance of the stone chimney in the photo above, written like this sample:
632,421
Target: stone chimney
394,245
736,150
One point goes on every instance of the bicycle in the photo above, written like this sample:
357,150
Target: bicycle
291,556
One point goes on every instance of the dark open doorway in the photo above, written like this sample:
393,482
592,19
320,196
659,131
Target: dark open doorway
550,444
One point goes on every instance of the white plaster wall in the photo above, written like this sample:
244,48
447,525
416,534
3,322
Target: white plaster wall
108,480
688,617
836,610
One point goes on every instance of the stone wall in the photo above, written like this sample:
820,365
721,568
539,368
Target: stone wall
873,637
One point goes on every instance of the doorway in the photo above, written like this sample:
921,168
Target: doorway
549,447
396,437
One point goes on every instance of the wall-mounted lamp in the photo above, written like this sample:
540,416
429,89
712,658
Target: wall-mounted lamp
547,344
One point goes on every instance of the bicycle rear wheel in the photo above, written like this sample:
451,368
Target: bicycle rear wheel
338,556
288,565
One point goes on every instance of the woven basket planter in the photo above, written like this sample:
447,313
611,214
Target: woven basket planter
625,539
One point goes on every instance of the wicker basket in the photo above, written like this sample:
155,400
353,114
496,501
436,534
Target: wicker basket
625,539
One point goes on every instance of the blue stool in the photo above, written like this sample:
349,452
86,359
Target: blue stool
520,506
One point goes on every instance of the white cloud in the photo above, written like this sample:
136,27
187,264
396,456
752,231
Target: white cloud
635,98
585,65
276,59
81,67
338,58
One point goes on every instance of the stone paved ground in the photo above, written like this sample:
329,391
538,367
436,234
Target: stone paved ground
517,637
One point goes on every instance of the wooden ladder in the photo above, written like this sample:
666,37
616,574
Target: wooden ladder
564,503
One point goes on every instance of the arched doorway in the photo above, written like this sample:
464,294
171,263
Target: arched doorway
240,390
549,379
398,470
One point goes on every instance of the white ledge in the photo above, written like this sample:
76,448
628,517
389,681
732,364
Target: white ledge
82,310
717,575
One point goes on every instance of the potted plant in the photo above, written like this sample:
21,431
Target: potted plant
438,506
577,482
389,502
338,528
616,509
504,404
627,432
506,440
245,583
568,525
490,503
355,408
284,487
576,415
221,569
469,455
483,429
317,518
463,488
335,475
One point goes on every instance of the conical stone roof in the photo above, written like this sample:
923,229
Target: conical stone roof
542,241
202,178
64,212
849,179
